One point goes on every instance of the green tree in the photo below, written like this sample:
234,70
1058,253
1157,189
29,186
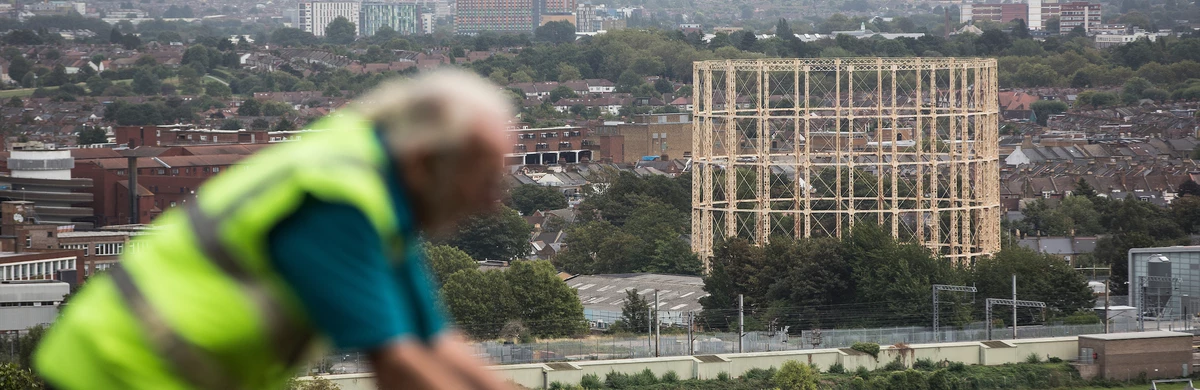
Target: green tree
58,76
231,124
97,85
528,198
560,92
1082,215
217,89
502,235
14,102
555,32
1043,109
92,135
543,301
27,343
794,375
250,107
260,124
276,109
635,312
446,260
284,125
14,377
663,86
1020,30
598,247
479,301
1040,277
520,77
784,31
18,67
146,83
1082,188
1186,212
292,37
340,31
566,72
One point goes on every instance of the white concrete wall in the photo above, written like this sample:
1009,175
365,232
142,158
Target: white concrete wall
689,367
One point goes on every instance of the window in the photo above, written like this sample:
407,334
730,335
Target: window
110,248
172,204
49,234
82,247
216,169
204,138
162,171
174,171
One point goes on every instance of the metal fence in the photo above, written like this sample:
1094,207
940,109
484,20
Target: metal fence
640,346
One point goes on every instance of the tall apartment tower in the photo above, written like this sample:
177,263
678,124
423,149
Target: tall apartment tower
558,7
585,18
1079,13
501,16
316,15
404,18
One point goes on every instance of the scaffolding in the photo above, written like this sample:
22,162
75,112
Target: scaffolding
818,145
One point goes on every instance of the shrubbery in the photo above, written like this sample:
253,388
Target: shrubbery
796,376
867,348
801,375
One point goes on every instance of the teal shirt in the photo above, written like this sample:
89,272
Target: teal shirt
342,272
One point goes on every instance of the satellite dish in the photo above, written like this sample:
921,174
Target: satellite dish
19,218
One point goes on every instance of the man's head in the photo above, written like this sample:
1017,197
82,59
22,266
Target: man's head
446,132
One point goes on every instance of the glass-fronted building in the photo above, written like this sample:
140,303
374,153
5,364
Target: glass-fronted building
404,18
1168,278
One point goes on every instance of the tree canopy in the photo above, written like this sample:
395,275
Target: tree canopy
527,198
501,235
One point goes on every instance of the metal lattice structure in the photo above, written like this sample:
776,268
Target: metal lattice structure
819,145
936,310
1008,302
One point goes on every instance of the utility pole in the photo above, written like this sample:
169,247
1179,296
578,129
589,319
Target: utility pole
1014,306
1106,286
691,327
741,324
657,325
649,330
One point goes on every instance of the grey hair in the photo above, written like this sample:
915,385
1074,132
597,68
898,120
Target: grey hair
435,110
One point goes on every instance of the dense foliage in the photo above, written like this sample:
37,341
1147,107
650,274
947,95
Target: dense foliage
527,299
868,279
527,198
1120,224
502,235
630,224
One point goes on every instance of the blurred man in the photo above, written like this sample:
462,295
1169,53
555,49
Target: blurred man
310,241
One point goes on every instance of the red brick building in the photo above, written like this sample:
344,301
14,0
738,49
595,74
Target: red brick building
167,178
550,146
176,135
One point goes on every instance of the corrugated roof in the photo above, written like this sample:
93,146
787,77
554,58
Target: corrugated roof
677,293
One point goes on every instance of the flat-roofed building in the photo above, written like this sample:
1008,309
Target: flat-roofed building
26,304
1124,356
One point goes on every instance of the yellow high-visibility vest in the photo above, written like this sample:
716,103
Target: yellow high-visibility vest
198,304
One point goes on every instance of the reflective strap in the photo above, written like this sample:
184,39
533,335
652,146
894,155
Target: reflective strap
288,338
189,361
